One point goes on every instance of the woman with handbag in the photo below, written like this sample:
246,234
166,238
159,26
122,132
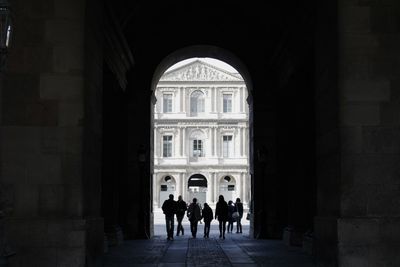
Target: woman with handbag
239,210
231,219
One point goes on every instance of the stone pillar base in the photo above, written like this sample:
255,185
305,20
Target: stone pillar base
292,237
325,240
114,234
369,241
55,242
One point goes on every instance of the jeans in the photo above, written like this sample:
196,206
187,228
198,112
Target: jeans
169,223
207,228
239,225
193,227
222,227
179,218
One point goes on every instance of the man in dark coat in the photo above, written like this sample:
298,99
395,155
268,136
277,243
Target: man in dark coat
169,208
207,215
182,207
194,215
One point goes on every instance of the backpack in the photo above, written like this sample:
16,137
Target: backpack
194,212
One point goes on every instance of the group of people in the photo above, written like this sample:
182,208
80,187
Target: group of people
224,212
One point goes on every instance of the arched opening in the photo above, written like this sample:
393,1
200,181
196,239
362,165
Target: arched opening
228,188
196,103
167,186
202,120
197,187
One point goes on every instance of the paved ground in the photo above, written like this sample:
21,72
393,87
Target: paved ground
235,250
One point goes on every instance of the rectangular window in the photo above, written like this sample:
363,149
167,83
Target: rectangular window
197,148
167,103
227,103
167,146
227,146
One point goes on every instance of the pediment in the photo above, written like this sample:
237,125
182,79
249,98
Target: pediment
199,71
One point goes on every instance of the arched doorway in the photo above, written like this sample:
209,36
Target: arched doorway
228,187
167,186
202,127
197,187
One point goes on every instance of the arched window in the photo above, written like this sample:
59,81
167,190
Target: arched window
196,103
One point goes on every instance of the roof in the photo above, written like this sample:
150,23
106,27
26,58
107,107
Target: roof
199,70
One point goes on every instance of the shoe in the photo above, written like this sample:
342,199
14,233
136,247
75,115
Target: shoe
220,236
223,237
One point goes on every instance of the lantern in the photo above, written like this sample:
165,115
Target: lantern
5,30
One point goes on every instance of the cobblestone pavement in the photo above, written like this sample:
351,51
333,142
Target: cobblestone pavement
235,250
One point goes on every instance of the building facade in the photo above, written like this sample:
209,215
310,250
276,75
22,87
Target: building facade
201,134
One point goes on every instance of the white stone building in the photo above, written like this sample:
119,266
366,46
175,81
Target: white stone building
201,134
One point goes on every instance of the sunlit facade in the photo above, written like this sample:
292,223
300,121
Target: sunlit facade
201,135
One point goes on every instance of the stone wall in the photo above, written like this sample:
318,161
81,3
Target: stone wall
44,124
369,86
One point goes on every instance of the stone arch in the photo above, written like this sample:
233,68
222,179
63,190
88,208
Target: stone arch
227,186
214,52
197,187
203,51
166,185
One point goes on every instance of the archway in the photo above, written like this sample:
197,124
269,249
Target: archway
197,187
228,187
167,185
201,126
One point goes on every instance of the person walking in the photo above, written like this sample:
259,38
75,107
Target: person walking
239,209
194,215
231,210
169,208
182,207
221,212
207,215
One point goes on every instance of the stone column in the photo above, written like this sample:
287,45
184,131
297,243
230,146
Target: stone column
209,188
369,35
155,149
216,142
243,141
51,144
215,181
182,100
156,191
184,186
184,142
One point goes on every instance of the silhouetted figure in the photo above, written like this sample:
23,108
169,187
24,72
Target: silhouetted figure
169,208
207,215
221,212
231,210
194,215
182,207
239,209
